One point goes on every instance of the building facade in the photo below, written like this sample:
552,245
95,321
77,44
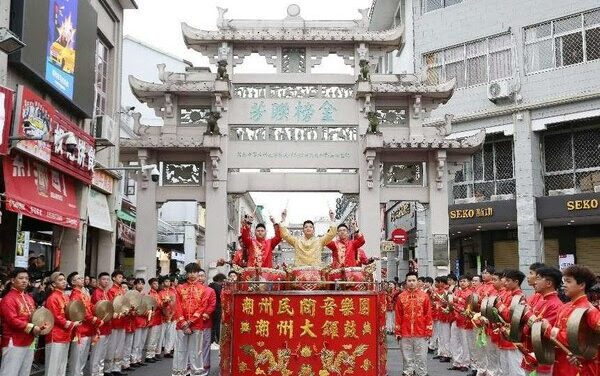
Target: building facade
60,108
526,74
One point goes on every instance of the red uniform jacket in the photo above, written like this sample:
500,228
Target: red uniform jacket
263,247
545,307
157,317
16,310
167,295
140,321
413,314
62,330
460,306
352,257
190,304
210,303
504,312
238,258
88,326
562,367
112,293
97,296
440,306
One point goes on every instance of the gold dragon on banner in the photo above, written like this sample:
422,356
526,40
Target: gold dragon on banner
334,363
266,357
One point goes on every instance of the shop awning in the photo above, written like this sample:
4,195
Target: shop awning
125,216
35,190
98,212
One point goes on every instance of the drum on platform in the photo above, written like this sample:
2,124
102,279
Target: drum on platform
258,279
306,278
359,276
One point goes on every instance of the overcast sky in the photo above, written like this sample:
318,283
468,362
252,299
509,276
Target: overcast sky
158,24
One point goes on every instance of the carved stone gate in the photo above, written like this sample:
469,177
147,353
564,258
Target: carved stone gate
294,130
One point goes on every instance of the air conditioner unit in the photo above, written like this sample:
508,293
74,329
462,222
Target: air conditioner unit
508,196
561,192
499,90
103,131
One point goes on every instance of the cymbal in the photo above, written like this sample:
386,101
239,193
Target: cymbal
483,306
149,301
75,310
543,348
582,340
104,310
516,323
473,303
42,317
514,301
142,308
491,304
134,297
121,304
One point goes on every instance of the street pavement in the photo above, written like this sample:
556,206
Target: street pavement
435,368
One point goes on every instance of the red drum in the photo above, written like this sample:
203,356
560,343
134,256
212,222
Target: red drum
355,274
257,275
306,278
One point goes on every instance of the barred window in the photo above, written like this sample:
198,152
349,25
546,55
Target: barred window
101,86
572,159
563,42
429,5
489,172
472,63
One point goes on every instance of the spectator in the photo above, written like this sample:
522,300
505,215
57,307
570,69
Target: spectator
217,285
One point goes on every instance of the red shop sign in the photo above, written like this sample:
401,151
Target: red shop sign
38,191
36,117
6,112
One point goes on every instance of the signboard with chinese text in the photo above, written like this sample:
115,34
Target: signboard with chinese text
6,112
308,334
103,181
37,117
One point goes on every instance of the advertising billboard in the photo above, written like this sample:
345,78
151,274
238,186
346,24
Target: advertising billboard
54,32
62,52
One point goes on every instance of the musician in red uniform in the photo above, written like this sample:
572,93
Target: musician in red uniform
190,306
129,332
548,280
414,325
260,249
462,357
116,342
80,347
155,323
168,297
444,317
100,347
57,341
17,330
482,352
345,250
531,280
210,303
578,280
140,324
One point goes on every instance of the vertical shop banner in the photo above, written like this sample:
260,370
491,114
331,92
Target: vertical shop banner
6,112
22,245
33,119
62,47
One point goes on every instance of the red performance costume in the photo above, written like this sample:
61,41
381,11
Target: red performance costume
191,304
61,332
88,325
352,256
98,296
17,308
260,251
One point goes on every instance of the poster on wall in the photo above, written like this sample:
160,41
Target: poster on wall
62,50
6,110
21,246
566,260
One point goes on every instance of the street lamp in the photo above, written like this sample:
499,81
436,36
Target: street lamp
9,42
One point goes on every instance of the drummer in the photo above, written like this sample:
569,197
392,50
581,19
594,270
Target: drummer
308,248
100,346
57,341
578,280
80,347
345,249
18,333
260,249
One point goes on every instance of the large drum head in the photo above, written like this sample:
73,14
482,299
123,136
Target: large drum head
583,340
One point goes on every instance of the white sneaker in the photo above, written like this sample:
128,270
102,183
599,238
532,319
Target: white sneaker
214,346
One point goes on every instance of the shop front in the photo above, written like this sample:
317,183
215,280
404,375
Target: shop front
483,234
571,229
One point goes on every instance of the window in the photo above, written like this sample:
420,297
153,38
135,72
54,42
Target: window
572,159
489,172
563,42
430,5
101,86
472,63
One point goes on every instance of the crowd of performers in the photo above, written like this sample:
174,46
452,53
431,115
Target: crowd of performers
445,316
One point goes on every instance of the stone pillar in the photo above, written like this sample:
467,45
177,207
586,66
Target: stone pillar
146,225
189,242
73,240
422,252
438,206
216,200
530,184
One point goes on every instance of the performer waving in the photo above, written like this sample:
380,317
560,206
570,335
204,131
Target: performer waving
346,250
308,247
260,249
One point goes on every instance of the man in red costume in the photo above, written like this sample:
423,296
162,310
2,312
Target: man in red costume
260,249
482,352
99,349
154,324
210,297
168,296
414,325
80,347
18,333
444,318
140,324
578,280
547,281
531,281
116,343
57,341
462,358
345,250
190,306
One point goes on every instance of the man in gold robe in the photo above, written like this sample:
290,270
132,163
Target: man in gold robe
308,248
